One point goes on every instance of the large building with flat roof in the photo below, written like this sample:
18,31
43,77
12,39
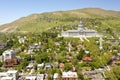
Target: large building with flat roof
80,32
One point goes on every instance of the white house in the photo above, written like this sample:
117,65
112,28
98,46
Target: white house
6,78
13,73
8,54
9,75
30,66
69,75
31,78
3,74
40,77
21,40
55,76
40,66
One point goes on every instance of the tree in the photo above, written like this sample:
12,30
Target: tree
42,71
116,71
35,66
81,54
1,63
42,57
27,57
24,63
68,66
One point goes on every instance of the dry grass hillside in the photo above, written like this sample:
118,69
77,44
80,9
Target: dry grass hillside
45,21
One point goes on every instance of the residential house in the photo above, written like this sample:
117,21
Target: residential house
93,75
3,74
9,75
40,66
8,54
30,77
34,47
13,73
30,66
69,75
55,76
11,62
87,59
10,58
21,40
6,78
40,77
48,66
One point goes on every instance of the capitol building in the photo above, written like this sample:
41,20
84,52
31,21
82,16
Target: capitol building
80,32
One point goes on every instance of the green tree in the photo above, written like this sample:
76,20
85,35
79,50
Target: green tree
1,63
42,57
68,66
81,54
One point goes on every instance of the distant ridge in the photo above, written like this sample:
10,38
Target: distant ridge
43,21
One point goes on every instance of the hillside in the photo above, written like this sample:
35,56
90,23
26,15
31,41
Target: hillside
45,21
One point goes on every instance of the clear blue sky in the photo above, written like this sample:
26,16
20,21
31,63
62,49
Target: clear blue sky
11,10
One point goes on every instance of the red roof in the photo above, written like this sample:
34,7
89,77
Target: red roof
87,59
11,62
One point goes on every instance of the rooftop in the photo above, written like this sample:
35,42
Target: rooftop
6,78
55,75
69,74
2,74
8,52
12,71
87,59
30,77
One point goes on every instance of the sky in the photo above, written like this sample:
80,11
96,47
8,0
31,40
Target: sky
11,10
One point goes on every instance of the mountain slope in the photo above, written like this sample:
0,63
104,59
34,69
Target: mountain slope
45,21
